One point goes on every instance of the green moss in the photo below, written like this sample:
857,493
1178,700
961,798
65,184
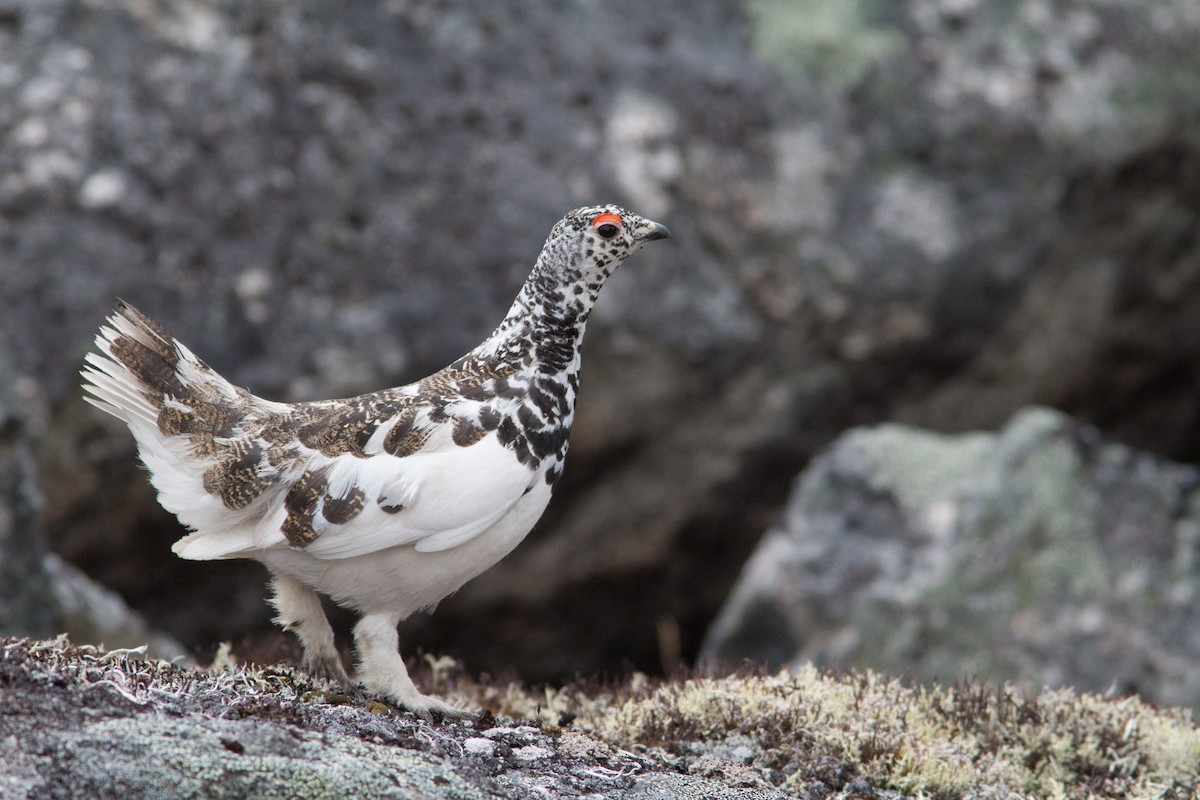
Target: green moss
1040,502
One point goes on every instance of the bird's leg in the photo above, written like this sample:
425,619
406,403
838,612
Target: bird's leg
300,611
382,670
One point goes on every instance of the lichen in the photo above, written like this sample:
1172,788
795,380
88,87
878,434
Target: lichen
981,740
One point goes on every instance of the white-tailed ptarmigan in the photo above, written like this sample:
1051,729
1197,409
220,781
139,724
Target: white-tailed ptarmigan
386,502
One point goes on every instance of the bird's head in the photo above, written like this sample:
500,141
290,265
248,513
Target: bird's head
589,243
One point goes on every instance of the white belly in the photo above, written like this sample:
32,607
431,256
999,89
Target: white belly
401,580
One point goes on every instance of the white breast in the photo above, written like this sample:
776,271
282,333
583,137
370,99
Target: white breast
402,580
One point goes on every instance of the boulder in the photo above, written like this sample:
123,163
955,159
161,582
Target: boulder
25,587
1043,554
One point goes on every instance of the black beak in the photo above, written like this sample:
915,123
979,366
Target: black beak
658,231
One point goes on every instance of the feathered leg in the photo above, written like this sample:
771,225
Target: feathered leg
300,612
382,670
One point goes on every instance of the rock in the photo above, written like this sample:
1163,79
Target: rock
83,609
927,211
83,721
40,594
1043,554
25,607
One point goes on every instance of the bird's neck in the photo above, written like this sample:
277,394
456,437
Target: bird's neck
546,323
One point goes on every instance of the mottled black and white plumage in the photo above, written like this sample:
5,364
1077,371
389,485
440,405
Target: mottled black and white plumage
386,502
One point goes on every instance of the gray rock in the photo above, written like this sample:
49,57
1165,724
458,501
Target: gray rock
1043,554
25,607
97,725
40,594
86,611
929,211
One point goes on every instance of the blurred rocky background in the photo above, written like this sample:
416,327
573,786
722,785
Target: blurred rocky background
926,212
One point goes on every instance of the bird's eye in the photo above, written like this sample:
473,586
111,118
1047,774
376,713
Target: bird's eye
607,225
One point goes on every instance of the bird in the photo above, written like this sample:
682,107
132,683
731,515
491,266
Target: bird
386,502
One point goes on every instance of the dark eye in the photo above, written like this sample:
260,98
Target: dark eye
607,230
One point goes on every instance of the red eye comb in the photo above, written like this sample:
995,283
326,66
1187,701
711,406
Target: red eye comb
615,219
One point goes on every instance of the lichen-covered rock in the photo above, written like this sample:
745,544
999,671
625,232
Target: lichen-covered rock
82,721
1042,554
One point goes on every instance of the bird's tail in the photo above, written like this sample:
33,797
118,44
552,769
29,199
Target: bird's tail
184,416
142,374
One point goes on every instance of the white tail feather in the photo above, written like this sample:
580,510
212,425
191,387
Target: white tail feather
176,469
115,390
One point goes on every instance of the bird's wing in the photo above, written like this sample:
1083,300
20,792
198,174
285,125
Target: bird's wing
434,500
348,483
337,478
